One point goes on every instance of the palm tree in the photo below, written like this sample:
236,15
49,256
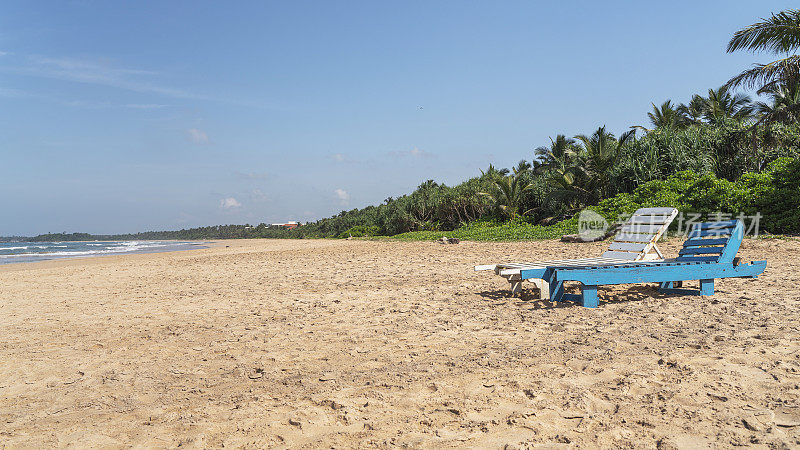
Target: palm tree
721,104
568,191
785,101
422,202
508,192
522,166
718,106
492,172
779,34
600,153
693,112
664,117
561,151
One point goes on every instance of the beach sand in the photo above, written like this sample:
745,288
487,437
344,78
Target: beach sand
324,343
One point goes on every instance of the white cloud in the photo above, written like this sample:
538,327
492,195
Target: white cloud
343,196
198,136
338,157
413,153
103,71
90,104
97,72
229,203
258,196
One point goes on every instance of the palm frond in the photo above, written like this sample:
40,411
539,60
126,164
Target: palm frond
639,127
762,75
778,34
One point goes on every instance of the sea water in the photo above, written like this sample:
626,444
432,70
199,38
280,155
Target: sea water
16,252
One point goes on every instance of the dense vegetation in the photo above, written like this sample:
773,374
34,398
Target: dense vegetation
719,152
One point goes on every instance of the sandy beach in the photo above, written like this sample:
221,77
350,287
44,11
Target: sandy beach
323,343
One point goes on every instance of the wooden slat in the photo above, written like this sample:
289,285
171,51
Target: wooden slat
689,258
621,255
722,224
509,272
486,267
700,251
562,262
644,229
656,220
633,237
551,261
713,232
612,263
629,247
665,211
696,242
512,269
723,230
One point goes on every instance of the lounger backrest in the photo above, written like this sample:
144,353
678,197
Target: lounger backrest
713,242
639,234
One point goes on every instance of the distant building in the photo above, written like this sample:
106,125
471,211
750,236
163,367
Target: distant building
288,225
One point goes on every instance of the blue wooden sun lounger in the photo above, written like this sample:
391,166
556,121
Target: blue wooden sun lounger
635,241
708,253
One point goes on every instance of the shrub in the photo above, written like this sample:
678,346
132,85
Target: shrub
361,231
776,194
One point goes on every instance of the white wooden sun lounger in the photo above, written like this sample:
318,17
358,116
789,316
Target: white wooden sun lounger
634,243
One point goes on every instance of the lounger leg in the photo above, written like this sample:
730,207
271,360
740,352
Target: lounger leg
707,287
589,296
667,286
557,291
544,288
516,287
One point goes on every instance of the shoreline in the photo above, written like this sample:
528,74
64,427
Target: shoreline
34,258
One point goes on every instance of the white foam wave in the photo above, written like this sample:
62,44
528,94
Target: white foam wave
107,249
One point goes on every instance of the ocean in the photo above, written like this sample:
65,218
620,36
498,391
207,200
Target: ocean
17,252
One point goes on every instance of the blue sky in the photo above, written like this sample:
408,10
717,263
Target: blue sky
133,116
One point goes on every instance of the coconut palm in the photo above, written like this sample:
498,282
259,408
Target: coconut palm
492,172
522,166
567,190
508,192
721,104
559,155
778,34
665,116
600,153
693,112
784,101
